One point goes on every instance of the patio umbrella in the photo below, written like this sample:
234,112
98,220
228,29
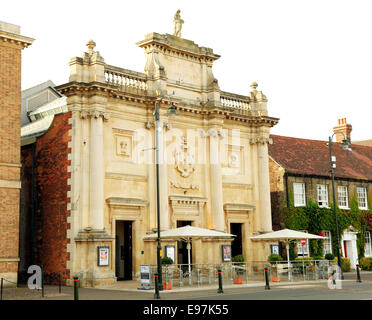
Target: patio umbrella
187,234
286,235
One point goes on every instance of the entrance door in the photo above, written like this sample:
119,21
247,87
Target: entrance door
124,254
345,248
237,244
128,258
182,253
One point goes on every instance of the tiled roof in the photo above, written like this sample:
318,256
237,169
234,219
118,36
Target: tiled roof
311,157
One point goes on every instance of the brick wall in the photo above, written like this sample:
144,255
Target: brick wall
10,106
25,230
51,198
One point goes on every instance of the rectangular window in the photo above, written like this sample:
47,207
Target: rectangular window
362,198
322,190
299,194
368,247
343,199
327,242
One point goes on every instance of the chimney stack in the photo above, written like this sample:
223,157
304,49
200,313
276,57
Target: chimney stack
343,130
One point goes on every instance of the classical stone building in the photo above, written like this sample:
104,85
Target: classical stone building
95,162
300,170
11,45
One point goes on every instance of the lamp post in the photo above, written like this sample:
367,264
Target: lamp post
344,144
171,111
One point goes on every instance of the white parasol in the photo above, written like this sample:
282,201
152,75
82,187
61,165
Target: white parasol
287,235
188,233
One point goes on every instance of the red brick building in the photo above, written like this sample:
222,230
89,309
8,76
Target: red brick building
44,195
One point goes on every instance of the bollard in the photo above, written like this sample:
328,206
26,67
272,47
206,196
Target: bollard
267,286
1,288
76,290
59,283
358,273
156,295
220,289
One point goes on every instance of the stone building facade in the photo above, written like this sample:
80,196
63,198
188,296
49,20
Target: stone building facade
11,45
214,170
300,170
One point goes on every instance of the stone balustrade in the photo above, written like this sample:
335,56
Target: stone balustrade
125,79
235,101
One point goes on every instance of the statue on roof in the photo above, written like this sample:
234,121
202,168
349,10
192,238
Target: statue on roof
177,24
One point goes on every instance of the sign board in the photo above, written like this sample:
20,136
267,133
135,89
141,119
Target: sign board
170,252
145,274
226,252
103,255
275,249
303,241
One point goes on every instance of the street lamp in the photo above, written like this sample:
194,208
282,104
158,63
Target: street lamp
171,111
344,144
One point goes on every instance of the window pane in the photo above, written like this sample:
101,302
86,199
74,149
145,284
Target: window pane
368,247
327,242
362,197
343,197
322,191
299,194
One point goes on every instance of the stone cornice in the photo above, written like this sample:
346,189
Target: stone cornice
17,40
176,46
231,207
252,117
120,201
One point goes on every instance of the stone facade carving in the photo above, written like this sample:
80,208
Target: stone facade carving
179,185
178,22
84,114
184,160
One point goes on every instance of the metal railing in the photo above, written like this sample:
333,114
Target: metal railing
178,275
10,290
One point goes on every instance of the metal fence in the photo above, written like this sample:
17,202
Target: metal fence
178,275
10,290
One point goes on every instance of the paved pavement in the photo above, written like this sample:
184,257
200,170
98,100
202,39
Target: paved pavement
128,290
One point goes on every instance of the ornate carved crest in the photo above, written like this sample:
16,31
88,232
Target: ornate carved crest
184,160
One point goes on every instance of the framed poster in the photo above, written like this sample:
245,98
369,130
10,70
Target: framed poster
170,252
226,252
275,248
145,274
103,256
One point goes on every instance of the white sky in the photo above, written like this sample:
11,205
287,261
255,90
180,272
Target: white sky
312,59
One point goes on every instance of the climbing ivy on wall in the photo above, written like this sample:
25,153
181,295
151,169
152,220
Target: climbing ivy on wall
315,220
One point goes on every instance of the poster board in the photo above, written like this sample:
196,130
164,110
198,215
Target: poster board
103,256
170,252
226,252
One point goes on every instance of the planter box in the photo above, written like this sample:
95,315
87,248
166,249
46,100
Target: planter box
238,280
275,279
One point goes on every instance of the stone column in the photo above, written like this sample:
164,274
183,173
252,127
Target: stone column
96,175
163,180
264,186
216,182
